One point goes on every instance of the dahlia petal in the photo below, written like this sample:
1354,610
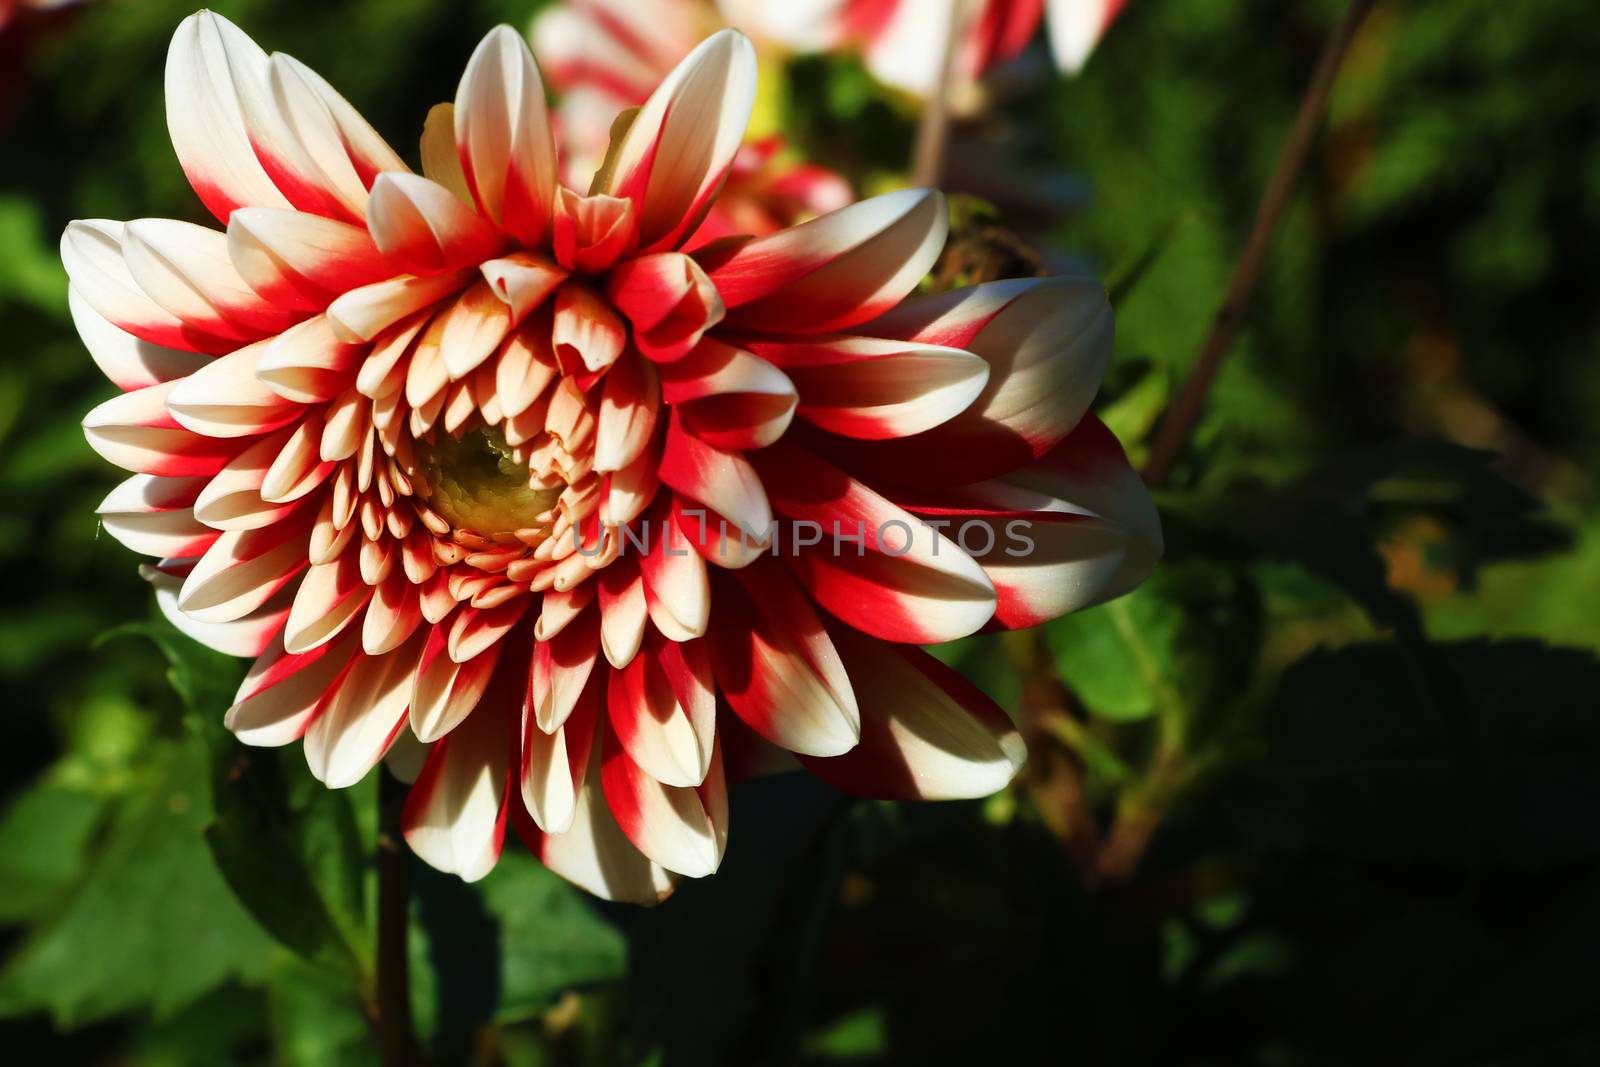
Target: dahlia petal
526,367
455,814
594,853
631,489
329,597
422,229
722,481
135,431
299,260
186,269
130,363
475,630
677,590
243,569
834,271
309,97
668,299
523,281
1047,343
685,830
896,577
731,398
393,614
446,690
556,762
559,609
663,709
676,153
232,499
92,252
508,153
777,667
590,233
358,719
225,398
473,328
440,161
587,333
623,612
362,314
282,690
629,403
299,467
207,58
926,732
249,635
1075,529
876,388
155,516
561,670
1076,26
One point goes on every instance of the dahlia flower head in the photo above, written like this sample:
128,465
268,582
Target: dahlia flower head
903,42
498,485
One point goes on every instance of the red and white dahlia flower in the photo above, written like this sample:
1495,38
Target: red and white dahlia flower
606,56
904,42
441,452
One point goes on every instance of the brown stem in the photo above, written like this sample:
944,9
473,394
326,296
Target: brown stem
933,131
1174,432
397,1042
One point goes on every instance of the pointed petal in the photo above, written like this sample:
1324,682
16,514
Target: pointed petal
896,577
422,229
834,271
675,155
508,153
777,667
683,829
926,732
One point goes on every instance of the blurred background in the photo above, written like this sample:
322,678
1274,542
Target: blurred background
1324,791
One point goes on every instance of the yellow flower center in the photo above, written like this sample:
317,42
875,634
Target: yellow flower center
475,484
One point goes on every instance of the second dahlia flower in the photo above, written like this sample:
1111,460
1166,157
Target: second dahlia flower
455,456
606,56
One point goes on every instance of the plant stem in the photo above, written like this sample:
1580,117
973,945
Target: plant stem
397,1042
933,131
1174,432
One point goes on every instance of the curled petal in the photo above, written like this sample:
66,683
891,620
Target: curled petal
185,268
723,481
523,281
593,852
136,432
669,300
592,232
